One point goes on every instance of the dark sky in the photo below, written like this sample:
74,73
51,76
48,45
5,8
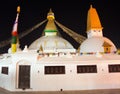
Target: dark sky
71,13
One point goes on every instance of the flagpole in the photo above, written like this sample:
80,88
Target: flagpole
15,40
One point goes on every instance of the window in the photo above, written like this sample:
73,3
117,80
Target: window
54,69
4,70
86,69
114,68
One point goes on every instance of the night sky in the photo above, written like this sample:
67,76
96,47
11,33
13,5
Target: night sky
70,13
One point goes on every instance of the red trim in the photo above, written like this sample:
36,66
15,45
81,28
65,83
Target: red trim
14,33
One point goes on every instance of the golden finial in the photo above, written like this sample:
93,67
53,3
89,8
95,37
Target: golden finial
91,6
50,15
50,11
18,9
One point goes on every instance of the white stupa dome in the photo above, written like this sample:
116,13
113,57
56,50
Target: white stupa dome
96,44
51,44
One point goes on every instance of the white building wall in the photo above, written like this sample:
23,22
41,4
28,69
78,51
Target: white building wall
7,81
71,80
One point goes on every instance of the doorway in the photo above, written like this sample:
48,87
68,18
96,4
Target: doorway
24,77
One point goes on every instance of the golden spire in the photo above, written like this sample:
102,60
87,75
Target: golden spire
50,15
50,28
93,21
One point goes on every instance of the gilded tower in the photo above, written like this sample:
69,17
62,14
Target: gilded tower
94,27
50,29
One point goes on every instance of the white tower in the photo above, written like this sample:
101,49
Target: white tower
94,27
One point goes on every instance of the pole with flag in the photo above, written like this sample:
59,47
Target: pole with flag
15,41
